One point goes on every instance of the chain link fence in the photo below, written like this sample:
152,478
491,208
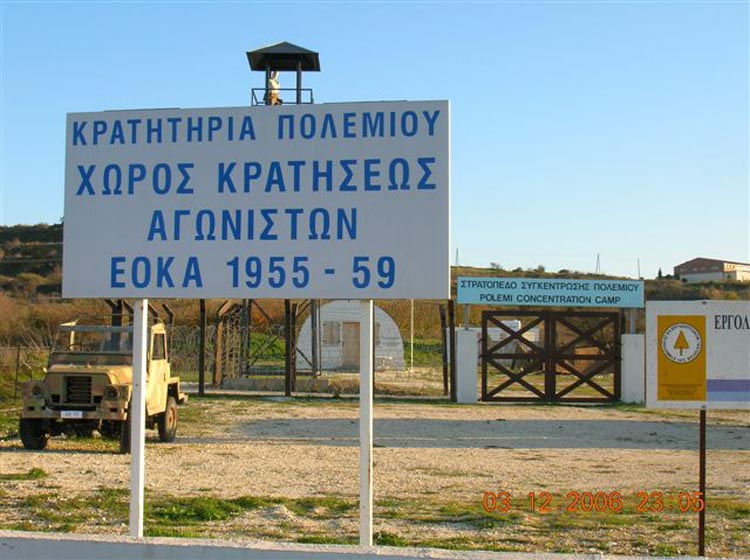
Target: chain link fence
19,364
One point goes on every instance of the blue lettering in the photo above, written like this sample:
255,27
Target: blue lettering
307,126
409,128
163,186
231,225
346,222
153,130
346,186
225,177
162,272
116,272
266,234
431,120
157,227
328,123
182,188
100,127
424,164
294,213
117,133
141,280
275,177
247,128
371,174
192,273
372,126
195,128
214,125
78,137
349,124
136,174
178,215
86,180
317,175
252,171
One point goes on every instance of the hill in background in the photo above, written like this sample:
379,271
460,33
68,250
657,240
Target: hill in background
31,267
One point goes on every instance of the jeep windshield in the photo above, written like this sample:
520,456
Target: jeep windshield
92,345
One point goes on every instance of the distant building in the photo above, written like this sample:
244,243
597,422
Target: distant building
712,270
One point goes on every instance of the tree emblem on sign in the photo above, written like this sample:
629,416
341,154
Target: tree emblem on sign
681,343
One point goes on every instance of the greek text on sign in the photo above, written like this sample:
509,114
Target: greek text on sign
698,354
546,292
347,200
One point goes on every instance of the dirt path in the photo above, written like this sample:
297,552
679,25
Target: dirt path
264,447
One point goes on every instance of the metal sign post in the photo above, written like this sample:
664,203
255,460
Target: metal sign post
702,482
365,423
137,416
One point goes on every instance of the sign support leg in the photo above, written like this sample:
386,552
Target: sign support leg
137,416
365,423
702,483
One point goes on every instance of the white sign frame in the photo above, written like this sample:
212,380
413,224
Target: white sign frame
330,201
724,344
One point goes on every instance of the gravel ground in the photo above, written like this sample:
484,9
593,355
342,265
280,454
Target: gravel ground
231,446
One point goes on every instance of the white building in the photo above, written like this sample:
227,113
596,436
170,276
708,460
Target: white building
339,339
712,270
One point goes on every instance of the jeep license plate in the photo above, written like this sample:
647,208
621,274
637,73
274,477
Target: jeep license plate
72,414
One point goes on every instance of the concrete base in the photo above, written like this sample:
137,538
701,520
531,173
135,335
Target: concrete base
633,368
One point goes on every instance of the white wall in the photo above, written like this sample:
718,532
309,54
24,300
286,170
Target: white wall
633,368
467,352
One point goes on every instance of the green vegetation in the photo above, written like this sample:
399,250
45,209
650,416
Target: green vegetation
33,473
408,522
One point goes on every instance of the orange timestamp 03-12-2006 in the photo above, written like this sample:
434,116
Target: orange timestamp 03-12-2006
643,501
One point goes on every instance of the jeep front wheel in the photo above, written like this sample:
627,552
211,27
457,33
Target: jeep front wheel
167,422
33,434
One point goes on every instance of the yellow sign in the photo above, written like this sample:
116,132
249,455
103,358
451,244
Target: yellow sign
681,360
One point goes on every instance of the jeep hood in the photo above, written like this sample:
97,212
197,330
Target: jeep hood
118,375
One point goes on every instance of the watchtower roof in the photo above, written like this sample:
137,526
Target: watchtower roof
284,56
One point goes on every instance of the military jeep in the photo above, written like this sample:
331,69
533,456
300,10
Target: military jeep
88,386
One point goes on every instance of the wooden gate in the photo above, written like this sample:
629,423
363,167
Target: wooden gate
550,356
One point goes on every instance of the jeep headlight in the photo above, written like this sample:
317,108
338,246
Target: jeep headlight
37,391
111,393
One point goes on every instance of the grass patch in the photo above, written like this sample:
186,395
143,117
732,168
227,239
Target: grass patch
33,473
325,539
728,508
328,507
176,532
193,510
384,538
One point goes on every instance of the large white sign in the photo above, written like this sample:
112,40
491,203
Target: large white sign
698,354
346,200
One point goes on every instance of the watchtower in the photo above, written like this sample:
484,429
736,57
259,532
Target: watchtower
282,57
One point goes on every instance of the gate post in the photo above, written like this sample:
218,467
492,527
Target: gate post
550,344
452,343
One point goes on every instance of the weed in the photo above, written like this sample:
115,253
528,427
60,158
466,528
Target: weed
194,510
325,539
33,473
384,538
